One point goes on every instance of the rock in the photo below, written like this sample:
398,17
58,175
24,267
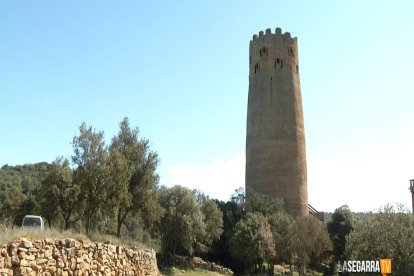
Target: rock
15,260
70,243
25,243
30,257
12,249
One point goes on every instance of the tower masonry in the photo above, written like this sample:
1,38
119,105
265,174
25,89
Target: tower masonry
275,139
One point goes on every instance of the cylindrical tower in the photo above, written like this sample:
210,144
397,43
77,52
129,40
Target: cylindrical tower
275,140
412,193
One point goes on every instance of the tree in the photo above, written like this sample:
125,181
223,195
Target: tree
310,241
264,204
281,225
268,244
182,222
91,174
133,177
387,234
279,222
220,250
60,195
213,220
183,227
339,228
11,198
252,241
239,197
119,175
18,188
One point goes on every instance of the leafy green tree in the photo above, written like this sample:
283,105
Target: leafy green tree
28,206
48,203
133,177
388,234
251,241
182,222
183,226
339,227
235,209
281,225
268,244
280,222
11,198
310,241
60,195
264,204
21,183
213,220
91,174
239,197
119,178
220,250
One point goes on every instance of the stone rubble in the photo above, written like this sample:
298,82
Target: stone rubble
193,263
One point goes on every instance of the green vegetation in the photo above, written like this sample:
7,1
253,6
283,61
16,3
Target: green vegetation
18,187
252,242
310,242
190,223
258,234
388,234
343,222
173,271
111,192
109,189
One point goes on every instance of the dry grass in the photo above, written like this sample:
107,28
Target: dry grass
9,235
173,271
117,241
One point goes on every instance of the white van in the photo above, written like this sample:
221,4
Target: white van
33,221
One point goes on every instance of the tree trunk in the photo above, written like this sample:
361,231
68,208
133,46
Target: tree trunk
87,225
121,218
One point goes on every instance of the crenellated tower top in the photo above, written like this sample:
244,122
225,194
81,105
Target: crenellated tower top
278,33
273,50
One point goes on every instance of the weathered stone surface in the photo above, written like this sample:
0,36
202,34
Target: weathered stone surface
71,257
25,243
275,138
70,243
12,249
196,262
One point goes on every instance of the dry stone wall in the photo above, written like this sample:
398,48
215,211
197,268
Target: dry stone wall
196,262
72,257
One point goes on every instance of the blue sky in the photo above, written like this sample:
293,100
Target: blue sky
180,73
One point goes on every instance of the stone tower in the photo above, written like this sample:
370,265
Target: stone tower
275,140
412,193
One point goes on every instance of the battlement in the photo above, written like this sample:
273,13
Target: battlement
273,51
277,34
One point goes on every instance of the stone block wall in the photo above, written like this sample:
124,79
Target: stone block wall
71,257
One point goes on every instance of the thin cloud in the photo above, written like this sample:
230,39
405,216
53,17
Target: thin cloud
218,179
